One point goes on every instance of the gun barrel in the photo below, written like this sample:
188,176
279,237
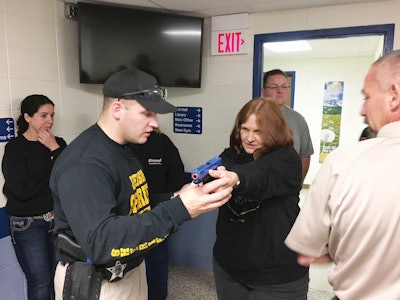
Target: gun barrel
201,172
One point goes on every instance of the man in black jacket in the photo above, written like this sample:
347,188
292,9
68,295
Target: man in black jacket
164,171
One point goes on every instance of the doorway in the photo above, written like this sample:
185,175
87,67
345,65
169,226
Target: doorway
314,71
329,36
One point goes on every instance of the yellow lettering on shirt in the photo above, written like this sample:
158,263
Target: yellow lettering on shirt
137,179
139,201
122,252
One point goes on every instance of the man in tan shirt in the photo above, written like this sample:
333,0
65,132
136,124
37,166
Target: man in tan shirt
351,215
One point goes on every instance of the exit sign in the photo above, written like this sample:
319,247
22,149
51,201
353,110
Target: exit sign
229,42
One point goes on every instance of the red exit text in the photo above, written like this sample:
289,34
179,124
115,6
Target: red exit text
230,42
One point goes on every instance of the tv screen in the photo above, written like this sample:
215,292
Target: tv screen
112,38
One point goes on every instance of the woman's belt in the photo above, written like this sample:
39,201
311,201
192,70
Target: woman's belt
47,216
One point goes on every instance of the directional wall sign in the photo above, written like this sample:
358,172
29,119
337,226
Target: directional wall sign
188,120
7,131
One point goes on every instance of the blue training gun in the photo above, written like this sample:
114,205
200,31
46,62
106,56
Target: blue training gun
200,174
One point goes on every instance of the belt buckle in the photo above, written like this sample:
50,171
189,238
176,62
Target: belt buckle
49,216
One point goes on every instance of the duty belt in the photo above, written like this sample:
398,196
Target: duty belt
70,251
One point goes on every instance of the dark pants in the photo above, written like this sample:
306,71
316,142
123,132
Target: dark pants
230,289
157,271
34,242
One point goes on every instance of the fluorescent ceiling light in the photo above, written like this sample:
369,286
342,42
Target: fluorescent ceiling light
291,46
182,32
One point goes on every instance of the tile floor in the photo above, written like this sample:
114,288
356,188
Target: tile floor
189,284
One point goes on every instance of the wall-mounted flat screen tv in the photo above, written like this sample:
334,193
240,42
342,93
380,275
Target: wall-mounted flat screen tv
113,38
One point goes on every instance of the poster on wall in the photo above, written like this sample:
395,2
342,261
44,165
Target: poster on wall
331,118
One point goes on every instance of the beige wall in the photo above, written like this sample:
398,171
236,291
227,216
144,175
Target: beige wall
39,54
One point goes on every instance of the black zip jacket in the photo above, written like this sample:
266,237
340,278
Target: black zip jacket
162,164
252,226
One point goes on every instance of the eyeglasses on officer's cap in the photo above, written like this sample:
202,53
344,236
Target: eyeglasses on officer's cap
151,94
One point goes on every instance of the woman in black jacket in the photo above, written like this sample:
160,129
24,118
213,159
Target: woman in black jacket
27,163
251,260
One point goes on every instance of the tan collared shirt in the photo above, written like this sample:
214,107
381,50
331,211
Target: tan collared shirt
352,212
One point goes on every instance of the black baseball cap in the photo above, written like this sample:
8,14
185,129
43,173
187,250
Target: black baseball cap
140,86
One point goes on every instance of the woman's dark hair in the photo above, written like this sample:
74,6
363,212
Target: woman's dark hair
30,105
273,127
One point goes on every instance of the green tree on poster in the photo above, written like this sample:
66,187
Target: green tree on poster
331,118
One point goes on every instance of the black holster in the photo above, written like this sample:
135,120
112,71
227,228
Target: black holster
82,282
68,249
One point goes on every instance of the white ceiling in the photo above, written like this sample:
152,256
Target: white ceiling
209,8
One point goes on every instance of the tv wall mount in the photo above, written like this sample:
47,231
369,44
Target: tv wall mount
70,11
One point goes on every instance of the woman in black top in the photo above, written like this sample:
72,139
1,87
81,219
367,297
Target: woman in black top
251,260
27,163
